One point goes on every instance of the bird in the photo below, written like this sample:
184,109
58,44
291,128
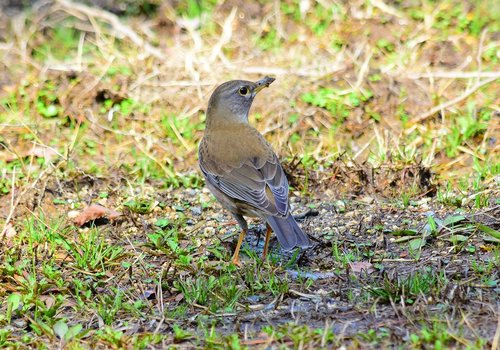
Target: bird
241,168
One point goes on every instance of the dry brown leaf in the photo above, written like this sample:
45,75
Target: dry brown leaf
8,232
62,256
42,152
94,212
36,151
49,300
9,287
359,266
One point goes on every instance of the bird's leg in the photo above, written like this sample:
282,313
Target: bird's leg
236,254
244,229
266,242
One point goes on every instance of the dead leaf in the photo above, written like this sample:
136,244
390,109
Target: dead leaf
36,151
19,279
8,232
62,256
94,212
360,266
42,152
48,300
113,215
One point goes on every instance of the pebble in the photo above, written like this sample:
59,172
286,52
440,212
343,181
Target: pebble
208,231
367,200
73,214
196,210
103,202
350,214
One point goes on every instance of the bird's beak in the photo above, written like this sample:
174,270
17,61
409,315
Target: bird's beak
263,83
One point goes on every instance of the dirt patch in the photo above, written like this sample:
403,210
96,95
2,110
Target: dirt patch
318,287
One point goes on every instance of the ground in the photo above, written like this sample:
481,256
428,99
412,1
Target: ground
385,116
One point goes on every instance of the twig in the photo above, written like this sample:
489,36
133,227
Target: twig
114,21
480,52
227,32
304,295
304,72
277,17
496,339
393,260
13,206
452,102
386,8
255,342
176,83
363,70
453,75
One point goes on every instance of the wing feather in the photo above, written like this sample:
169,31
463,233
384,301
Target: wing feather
257,180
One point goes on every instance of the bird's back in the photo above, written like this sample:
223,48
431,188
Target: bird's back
237,143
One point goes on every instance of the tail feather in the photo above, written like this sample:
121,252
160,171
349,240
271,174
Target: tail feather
289,234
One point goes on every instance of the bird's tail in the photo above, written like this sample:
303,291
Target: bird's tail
289,234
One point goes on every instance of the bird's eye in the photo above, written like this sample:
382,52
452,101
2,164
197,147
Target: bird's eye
243,91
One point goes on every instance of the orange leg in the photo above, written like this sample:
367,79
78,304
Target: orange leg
266,243
236,254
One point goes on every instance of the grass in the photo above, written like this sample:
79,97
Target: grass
90,114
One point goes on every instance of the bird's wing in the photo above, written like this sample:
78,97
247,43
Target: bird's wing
256,179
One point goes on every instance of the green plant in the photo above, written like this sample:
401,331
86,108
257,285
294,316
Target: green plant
437,335
338,102
92,253
464,128
420,283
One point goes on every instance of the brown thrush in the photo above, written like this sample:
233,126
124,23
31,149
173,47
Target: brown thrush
242,170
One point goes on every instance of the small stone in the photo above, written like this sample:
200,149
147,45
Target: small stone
73,214
208,231
196,210
367,200
103,202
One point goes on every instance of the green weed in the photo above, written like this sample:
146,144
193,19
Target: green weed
417,284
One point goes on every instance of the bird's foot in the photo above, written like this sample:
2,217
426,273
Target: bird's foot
236,262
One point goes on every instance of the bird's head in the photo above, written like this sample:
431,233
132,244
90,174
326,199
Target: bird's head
231,101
